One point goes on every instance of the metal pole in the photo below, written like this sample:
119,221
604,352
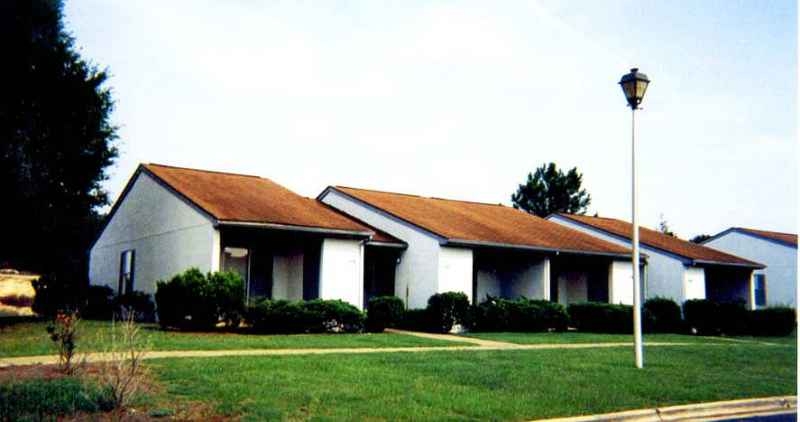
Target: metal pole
637,297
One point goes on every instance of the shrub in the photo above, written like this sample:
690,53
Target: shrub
662,315
137,303
522,314
596,317
47,399
707,317
192,300
99,303
383,312
448,309
54,294
416,320
63,331
774,321
315,316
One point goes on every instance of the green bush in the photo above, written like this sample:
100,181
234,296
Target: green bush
524,315
662,315
710,318
417,320
99,303
448,309
192,300
773,321
50,399
314,316
54,293
597,317
137,302
384,312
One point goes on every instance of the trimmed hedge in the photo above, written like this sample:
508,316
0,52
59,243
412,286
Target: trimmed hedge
597,317
314,316
448,309
524,315
99,303
384,312
710,318
417,320
662,315
774,321
196,301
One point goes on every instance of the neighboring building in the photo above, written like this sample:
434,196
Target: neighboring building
676,268
486,249
168,219
776,284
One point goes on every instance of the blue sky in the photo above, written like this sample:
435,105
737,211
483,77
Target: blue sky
462,99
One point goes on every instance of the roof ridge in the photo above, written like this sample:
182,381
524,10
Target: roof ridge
422,197
750,229
204,170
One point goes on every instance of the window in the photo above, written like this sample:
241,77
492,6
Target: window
760,289
126,271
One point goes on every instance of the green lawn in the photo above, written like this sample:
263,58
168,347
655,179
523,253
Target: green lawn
27,339
511,384
576,337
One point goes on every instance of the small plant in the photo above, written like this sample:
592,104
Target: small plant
64,333
123,373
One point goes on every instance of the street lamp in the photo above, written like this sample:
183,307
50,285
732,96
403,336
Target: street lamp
634,85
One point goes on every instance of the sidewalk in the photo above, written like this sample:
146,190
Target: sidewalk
722,410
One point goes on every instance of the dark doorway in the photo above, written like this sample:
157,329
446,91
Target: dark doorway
379,271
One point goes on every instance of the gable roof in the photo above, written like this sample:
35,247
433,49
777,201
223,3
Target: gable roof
238,199
463,223
787,239
697,253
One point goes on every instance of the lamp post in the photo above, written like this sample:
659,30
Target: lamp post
634,84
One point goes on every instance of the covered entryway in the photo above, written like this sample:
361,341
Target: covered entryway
729,284
575,278
380,265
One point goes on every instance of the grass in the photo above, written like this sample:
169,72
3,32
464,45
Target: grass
30,338
511,384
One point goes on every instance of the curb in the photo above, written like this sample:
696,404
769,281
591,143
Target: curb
698,412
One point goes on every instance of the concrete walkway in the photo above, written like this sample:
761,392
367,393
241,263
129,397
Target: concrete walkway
475,345
721,410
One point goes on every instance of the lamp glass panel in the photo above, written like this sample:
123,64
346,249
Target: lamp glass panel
641,87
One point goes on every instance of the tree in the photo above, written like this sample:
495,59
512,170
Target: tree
700,238
56,141
549,190
663,227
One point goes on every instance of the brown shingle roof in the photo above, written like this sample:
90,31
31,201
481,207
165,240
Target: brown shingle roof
462,222
232,197
659,240
787,238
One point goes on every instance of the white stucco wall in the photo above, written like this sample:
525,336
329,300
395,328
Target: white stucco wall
620,283
694,283
287,274
167,234
418,270
341,271
664,272
780,259
455,271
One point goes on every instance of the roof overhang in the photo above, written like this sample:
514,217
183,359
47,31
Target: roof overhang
484,244
292,228
392,245
729,264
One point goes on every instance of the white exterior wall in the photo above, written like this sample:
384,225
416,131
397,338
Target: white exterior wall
417,273
573,287
620,283
664,271
168,235
781,262
287,275
455,270
341,271
511,278
694,283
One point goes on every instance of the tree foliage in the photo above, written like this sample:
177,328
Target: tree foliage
700,238
549,190
55,142
663,227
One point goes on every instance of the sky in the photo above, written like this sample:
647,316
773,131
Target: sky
462,99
